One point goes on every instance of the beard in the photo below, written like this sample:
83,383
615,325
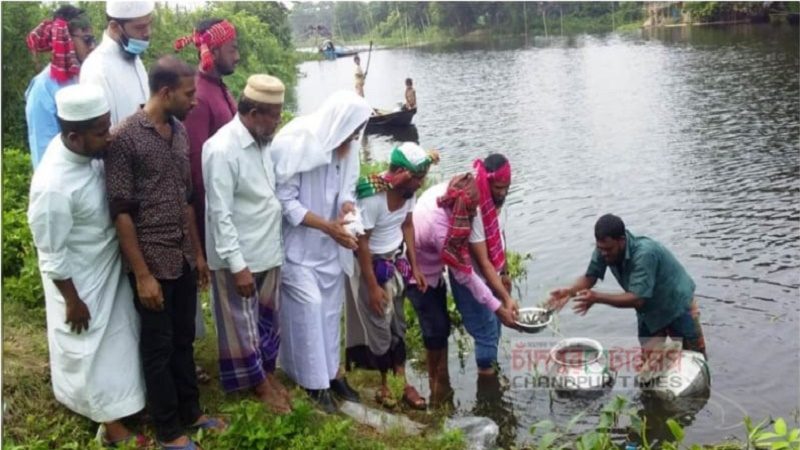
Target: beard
498,203
408,195
225,71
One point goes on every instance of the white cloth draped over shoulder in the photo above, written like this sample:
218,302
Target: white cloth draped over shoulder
97,373
307,144
311,178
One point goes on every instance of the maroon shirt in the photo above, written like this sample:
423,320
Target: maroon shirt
215,107
147,177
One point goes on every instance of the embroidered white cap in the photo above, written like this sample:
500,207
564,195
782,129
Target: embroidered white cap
81,102
128,9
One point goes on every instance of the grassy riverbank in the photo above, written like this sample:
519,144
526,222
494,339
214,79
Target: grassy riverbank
33,420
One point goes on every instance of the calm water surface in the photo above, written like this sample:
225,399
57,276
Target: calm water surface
692,136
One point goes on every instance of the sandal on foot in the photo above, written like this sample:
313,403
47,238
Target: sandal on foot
192,445
210,424
203,376
412,398
385,399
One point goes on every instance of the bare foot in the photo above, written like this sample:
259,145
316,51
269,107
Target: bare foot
278,387
274,401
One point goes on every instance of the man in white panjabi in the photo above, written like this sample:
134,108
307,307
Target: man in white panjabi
116,64
92,326
316,172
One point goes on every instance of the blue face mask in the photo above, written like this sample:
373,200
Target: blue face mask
135,46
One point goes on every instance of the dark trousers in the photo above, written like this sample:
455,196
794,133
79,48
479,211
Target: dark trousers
168,356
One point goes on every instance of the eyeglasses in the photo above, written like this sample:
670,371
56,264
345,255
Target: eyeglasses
87,39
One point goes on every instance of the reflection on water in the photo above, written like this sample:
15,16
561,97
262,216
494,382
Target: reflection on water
691,135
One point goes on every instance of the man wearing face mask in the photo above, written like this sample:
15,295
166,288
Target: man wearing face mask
116,65
69,37
218,51
244,242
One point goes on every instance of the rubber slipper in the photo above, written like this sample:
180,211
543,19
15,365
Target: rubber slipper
211,424
190,446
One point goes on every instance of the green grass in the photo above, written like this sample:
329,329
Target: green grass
34,420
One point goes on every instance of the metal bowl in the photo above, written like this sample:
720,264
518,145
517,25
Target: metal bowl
533,319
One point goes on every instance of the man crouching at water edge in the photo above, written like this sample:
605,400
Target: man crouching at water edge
655,284
450,230
374,310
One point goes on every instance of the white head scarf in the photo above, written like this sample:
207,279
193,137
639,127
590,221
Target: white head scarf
308,142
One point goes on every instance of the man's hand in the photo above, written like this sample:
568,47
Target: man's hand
584,300
203,273
77,316
558,298
245,284
506,282
347,207
422,283
149,291
377,300
513,306
506,316
337,231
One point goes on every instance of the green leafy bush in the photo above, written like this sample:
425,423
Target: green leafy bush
21,280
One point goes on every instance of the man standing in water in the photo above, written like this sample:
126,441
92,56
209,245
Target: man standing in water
360,76
655,284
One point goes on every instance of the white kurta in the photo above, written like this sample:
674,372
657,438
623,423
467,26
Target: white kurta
312,279
243,214
123,79
96,373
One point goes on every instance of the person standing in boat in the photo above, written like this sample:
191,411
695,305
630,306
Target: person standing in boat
360,76
655,284
411,95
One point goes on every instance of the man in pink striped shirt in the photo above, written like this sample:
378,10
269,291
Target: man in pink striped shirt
450,230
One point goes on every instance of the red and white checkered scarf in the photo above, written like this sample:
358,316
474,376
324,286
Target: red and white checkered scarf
212,38
53,35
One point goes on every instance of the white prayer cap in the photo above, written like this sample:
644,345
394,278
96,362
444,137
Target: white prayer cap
81,102
128,9
264,89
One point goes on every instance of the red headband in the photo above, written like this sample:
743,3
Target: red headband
502,174
212,38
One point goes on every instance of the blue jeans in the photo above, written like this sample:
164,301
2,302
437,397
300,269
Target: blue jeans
481,323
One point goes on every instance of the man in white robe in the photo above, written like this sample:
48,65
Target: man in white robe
316,171
116,63
92,326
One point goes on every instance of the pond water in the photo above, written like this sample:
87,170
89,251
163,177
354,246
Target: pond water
691,135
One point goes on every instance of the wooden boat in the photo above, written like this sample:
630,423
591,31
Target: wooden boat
392,118
332,51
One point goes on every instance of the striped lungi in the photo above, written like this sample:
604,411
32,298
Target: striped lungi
247,329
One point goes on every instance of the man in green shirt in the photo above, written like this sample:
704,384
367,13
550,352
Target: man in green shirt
655,284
